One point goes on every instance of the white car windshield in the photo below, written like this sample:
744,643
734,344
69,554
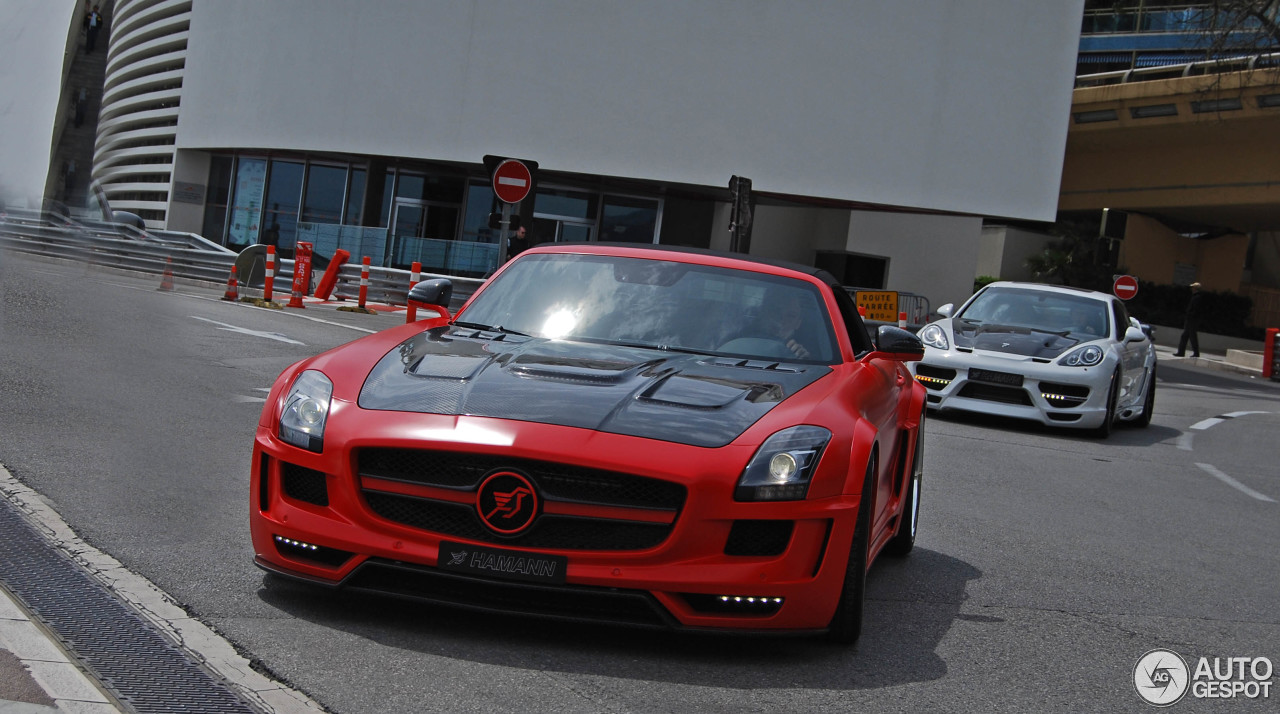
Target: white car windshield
1081,317
657,304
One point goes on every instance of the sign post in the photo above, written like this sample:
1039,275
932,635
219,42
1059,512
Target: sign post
511,183
1125,287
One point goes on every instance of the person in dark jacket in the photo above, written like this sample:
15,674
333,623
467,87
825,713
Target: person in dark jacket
1191,325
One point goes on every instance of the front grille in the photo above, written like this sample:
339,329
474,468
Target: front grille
575,602
549,531
303,484
555,481
995,393
759,537
1063,396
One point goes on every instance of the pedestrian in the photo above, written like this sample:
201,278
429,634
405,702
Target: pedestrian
94,21
1191,325
517,243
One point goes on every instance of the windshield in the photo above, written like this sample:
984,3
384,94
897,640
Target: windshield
1080,317
657,304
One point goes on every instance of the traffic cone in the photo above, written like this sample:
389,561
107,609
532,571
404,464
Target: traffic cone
233,287
166,282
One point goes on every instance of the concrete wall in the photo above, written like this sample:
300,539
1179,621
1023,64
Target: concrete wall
934,256
33,44
899,103
1004,250
1152,252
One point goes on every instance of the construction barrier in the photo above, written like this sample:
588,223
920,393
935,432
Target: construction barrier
330,277
301,273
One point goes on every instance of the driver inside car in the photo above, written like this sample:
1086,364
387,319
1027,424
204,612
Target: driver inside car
782,318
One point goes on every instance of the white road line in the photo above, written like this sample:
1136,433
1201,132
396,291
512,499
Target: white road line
1202,425
246,331
1184,441
245,400
1214,472
1233,415
262,389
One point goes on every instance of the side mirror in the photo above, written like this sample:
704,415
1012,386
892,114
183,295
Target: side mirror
946,310
897,344
1134,334
437,291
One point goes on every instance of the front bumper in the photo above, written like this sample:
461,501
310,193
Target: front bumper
719,564
1047,393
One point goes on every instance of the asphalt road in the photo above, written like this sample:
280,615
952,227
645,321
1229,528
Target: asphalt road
1048,562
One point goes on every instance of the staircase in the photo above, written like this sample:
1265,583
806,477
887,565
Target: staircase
72,163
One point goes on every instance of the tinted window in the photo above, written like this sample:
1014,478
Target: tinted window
659,304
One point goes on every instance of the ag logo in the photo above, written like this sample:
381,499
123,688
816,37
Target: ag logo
507,502
1161,677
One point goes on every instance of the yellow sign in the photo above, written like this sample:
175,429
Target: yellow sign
881,305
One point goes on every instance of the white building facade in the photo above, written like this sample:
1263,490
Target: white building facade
877,135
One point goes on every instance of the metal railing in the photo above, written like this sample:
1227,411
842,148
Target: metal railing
190,257
1243,63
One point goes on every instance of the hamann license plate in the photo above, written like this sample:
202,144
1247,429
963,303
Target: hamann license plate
505,564
986,375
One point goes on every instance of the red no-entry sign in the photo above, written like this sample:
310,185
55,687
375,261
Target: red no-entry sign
512,181
1126,286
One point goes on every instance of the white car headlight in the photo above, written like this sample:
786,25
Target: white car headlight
1086,356
305,410
934,336
783,465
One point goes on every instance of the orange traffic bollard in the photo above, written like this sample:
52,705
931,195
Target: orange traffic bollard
269,281
233,287
415,275
166,281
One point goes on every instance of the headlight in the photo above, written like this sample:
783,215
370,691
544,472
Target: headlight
1086,356
934,336
783,465
305,409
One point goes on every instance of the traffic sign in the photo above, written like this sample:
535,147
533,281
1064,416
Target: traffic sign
1126,286
512,181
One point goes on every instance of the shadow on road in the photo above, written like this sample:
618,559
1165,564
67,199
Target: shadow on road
1123,434
912,604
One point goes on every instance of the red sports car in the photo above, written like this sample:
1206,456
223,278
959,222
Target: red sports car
646,436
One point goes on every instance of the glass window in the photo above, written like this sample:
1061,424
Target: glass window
560,202
388,180
217,197
246,206
325,186
284,193
410,186
475,222
630,220
355,197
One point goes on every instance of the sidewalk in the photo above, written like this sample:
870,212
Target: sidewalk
36,675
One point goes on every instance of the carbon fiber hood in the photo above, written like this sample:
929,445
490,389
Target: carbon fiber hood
1020,341
698,400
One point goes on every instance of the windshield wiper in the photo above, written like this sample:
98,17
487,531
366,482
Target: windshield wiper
488,328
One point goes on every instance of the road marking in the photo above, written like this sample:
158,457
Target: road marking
1184,441
1233,415
1212,471
246,331
245,400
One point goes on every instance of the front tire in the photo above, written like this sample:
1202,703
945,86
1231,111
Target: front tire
1149,402
1113,393
846,624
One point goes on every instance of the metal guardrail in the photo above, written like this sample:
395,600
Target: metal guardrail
1243,63
127,248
